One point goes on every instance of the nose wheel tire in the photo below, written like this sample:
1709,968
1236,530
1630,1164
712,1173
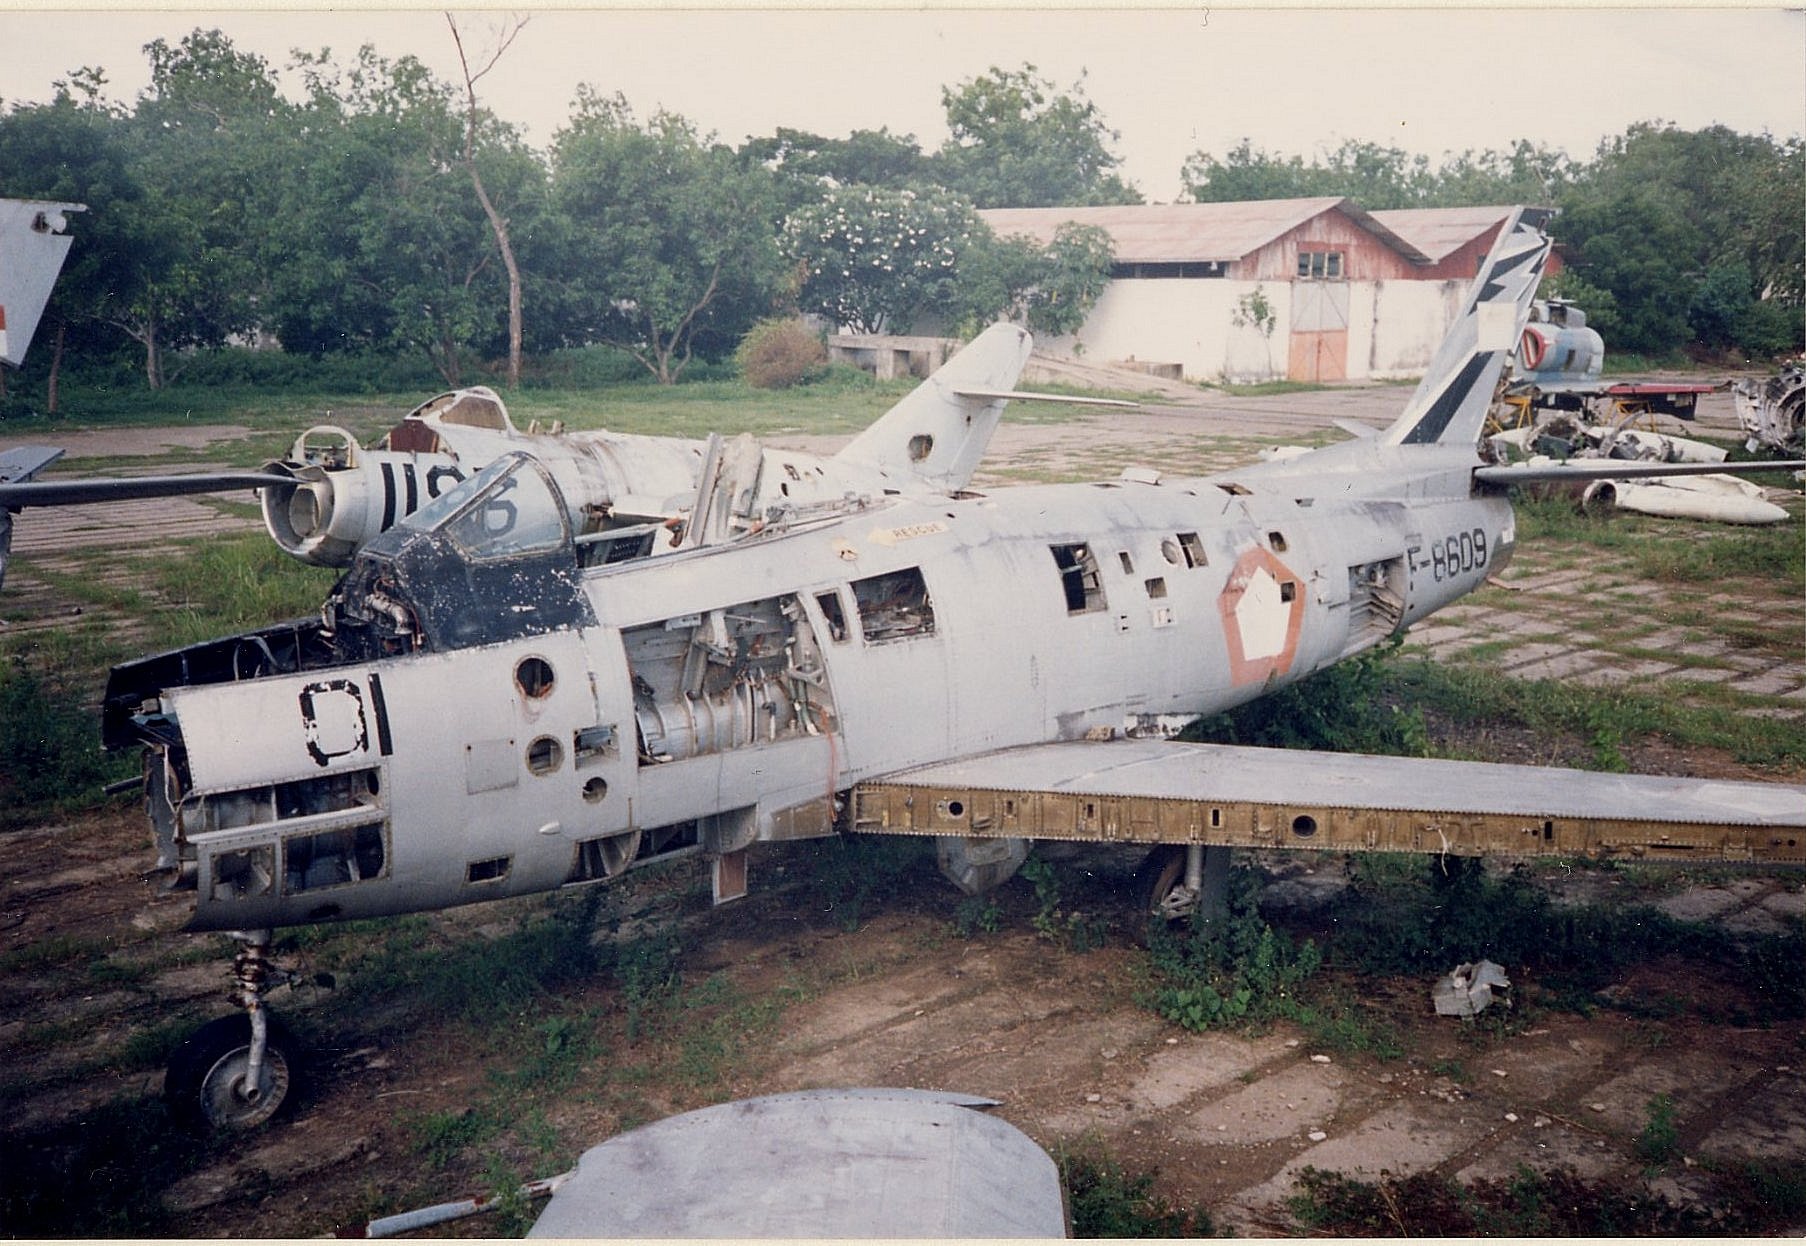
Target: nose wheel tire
206,1084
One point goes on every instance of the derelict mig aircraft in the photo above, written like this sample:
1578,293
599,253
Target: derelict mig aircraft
331,494
492,703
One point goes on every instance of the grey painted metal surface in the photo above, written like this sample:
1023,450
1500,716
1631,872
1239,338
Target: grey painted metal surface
1169,770
824,1163
33,245
344,494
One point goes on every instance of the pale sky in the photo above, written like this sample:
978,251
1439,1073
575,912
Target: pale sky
1169,81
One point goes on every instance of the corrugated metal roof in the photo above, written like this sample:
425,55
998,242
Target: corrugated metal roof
1179,232
1440,232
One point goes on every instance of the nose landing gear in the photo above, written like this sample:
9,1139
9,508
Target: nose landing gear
237,1072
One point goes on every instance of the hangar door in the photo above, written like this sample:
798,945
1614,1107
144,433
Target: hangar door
1319,342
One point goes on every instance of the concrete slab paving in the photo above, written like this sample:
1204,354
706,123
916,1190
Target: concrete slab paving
1401,1139
1285,1104
1201,1062
1546,1148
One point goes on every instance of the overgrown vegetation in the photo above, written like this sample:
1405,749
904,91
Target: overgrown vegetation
52,753
780,353
1746,1198
1340,709
1605,718
845,873
1407,915
1103,1200
1072,929
1236,969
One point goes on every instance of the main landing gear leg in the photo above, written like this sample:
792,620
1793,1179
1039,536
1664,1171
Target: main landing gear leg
236,1072
1181,879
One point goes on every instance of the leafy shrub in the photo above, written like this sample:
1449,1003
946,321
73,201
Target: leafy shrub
1074,931
1104,1201
1339,709
776,354
1232,968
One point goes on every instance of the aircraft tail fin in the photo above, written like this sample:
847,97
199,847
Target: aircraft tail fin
1451,402
939,432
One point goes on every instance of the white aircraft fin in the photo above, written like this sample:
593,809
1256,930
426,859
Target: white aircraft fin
1450,403
939,432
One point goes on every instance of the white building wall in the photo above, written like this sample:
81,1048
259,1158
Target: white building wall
1393,327
1185,321
1408,322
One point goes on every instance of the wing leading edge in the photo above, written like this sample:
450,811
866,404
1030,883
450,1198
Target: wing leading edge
1155,791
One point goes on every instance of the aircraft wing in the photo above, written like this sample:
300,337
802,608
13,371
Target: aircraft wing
24,462
19,490
14,495
1158,791
1622,469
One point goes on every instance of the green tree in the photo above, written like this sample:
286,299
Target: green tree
875,259
1636,243
805,165
1674,222
204,143
1531,173
665,242
1375,177
1049,289
1018,142
380,241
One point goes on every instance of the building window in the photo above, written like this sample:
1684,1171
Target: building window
1319,265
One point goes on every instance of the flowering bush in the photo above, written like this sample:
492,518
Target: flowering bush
877,258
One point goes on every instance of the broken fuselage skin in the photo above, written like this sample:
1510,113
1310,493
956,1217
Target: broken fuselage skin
488,708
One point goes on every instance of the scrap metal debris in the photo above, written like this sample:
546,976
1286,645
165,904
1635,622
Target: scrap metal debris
1563,438
1470,988
1773,412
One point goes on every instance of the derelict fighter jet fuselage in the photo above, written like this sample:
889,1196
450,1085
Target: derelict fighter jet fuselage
491,704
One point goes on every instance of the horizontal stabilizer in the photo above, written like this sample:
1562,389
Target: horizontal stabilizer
1156,791
129,488
1622,469
1015,395
24,462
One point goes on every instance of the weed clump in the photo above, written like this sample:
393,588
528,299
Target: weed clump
850,871
1341,709
776,354
1072,930
1529,1204
1230,969
1105,1201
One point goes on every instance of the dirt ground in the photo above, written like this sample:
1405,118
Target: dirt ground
896,998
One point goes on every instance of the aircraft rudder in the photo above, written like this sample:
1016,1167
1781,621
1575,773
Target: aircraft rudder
939,431
1450,404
